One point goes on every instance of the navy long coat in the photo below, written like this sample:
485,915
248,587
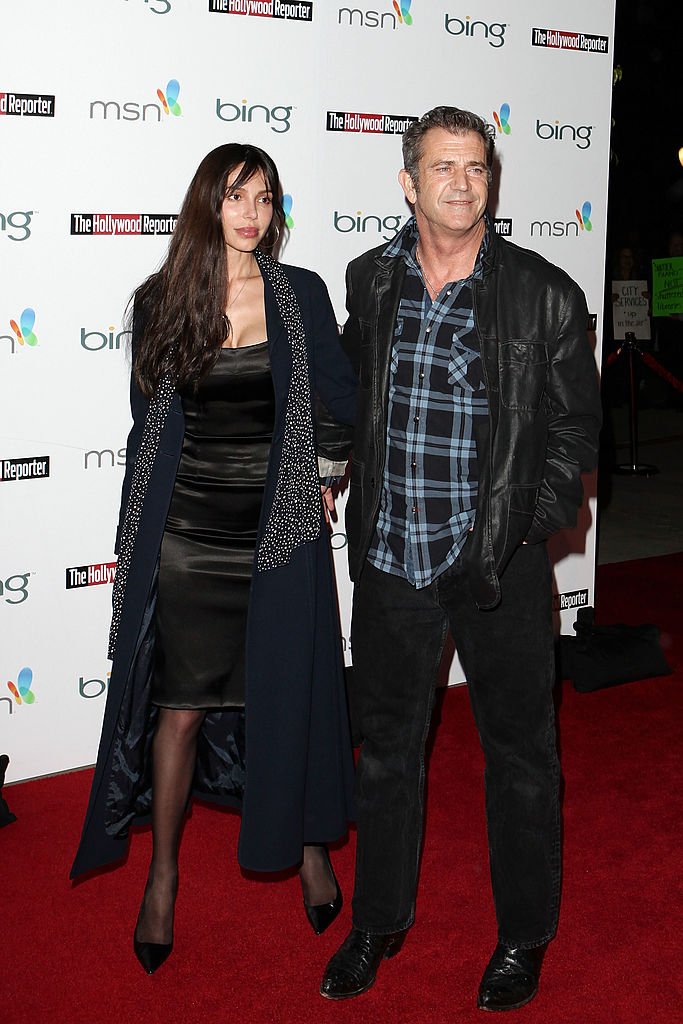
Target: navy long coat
299,781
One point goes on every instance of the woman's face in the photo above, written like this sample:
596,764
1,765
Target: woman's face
246,212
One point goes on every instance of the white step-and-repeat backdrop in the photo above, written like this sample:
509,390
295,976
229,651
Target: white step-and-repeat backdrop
105,111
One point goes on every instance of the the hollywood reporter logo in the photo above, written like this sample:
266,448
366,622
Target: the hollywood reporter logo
285,10
26,104
570,599
123,223
368,124
35,467
579,42
94,575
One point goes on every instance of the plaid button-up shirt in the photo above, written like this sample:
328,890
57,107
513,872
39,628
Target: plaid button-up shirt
436,389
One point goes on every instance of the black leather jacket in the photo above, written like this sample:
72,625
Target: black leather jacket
544,403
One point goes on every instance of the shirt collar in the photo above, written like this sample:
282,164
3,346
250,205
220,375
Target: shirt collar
404,245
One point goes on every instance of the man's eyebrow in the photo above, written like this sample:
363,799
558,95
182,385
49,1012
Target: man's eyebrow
451,163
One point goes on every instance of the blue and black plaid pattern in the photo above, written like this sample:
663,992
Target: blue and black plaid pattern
436,389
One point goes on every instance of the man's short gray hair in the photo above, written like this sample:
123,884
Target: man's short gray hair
454,120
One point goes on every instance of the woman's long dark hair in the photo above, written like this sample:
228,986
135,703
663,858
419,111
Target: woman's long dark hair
185,301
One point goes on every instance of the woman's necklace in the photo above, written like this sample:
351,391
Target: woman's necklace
232,302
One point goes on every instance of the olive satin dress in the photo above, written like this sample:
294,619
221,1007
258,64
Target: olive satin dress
207,551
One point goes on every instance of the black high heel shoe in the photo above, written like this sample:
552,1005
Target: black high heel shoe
151,955
321,915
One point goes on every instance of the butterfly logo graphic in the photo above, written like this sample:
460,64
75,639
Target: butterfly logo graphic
169,99
502,119
584,217
287,202
403,11
22,692
24,329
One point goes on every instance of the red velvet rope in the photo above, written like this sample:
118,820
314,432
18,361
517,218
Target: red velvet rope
661,370
650,361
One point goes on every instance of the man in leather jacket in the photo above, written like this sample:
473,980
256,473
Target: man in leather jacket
478,411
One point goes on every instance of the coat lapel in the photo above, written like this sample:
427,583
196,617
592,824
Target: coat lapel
388,288
275,328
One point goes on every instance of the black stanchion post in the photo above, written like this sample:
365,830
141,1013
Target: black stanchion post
635,468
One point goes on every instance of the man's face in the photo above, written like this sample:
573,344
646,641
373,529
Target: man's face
453,187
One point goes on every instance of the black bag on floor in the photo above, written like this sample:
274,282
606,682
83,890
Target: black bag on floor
601,656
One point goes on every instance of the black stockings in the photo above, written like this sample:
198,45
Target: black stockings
174,753
317,878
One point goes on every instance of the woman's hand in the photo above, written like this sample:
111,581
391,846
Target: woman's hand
328,503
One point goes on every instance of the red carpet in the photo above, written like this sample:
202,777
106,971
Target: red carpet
244,952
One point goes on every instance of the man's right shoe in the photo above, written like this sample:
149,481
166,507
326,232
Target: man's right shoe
354,966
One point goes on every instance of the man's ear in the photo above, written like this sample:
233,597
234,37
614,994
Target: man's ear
406,183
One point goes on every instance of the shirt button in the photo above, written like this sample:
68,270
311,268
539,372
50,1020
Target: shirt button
413,465
414,510
422,376
416,419
427,330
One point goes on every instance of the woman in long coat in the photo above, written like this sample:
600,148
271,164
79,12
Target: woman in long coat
271,735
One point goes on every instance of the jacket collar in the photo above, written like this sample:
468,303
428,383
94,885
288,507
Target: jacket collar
386,257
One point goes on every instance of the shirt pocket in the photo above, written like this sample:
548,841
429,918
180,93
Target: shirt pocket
464,366
395,347
523,374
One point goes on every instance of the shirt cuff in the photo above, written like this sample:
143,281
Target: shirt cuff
328,468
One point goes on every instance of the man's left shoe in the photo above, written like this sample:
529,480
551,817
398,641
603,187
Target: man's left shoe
511,978
353,968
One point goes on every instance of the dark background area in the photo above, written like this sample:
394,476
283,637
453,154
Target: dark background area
645,204
646,178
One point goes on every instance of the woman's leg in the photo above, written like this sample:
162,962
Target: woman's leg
174,753
318,883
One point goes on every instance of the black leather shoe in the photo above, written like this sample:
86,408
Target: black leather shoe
511,977
354,966
152,954
321,915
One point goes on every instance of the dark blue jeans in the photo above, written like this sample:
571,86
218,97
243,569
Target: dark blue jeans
398,634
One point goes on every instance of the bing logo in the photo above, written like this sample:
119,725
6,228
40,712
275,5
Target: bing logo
583,216
169,101
22,692
402,8
24,329
502,119
287,210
